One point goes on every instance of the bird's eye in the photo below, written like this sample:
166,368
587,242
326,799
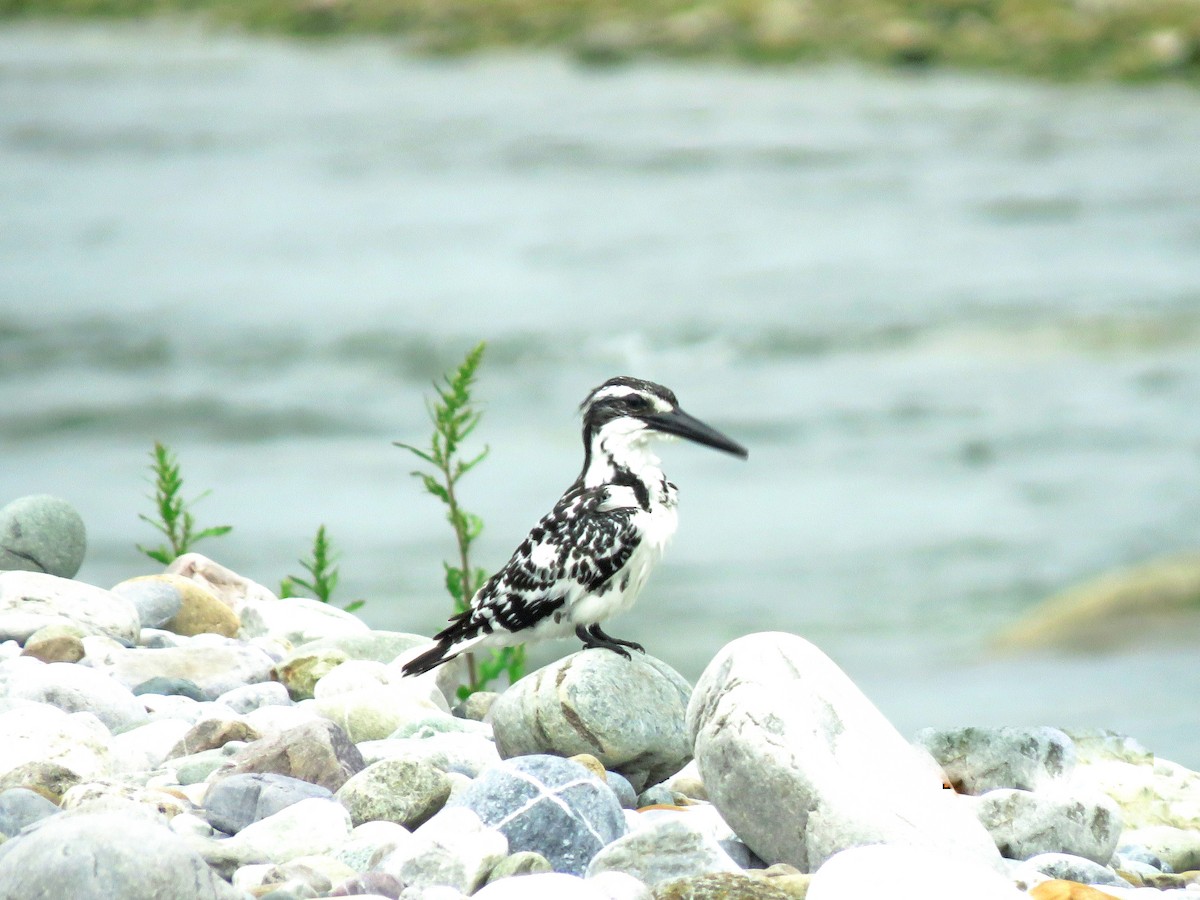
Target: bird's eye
638,402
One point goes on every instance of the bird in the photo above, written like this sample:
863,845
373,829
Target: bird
588,558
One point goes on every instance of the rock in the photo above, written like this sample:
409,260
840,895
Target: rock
208,734
687,781
300,671
363,698
1058,889
41,533
907,872
1149,791
405,791
434,724
41,735
297,620
192,610
215,664
524,862
980,759
370,843
157,600
75,688
20,807
453,849
318,752
147,746
719,886
1025,823
1068,868
801,765
467,754
199,767
33,600
665,851
226,585
477,706
788,879
233,803
169,687
549,805
620,786
98,856
1178,848
250,697
541,886
628,713
309,827
659,795
1106,611
378,646
378,884
108,796
55,643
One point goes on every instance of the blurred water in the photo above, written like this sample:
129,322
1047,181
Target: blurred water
957,321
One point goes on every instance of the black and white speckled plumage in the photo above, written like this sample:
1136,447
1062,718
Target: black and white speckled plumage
588,558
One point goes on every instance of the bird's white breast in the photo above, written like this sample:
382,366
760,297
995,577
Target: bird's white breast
655,526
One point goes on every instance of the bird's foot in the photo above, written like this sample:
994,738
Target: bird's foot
594,636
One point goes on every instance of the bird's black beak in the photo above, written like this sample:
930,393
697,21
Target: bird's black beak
679,423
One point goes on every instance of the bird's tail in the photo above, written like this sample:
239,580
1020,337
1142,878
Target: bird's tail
429,660
460,635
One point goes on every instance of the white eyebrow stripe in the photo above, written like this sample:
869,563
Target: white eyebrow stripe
616,390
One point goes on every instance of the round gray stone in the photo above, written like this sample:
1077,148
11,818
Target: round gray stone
628,713
20,807
74,688
235,802
661,852
98,856
157,602
548,805
41,533
402,790
980,759
1027,823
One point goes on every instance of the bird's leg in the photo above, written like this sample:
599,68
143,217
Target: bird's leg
601,635
591,639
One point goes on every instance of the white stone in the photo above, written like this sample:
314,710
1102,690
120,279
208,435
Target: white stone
38,732
215,664
271,721
31,600
310,827
802,765
228,586
74,688
453,849
146,747
297,620
542,886
906,872
619,886
373,713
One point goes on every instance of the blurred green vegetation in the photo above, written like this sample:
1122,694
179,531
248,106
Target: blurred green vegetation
1059,39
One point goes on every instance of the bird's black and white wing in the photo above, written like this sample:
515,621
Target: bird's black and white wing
580,549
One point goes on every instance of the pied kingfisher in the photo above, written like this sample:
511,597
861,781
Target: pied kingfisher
587,559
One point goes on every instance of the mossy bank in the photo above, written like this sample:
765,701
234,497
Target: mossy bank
1128,40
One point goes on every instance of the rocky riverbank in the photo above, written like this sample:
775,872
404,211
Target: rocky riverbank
188,734
1042,38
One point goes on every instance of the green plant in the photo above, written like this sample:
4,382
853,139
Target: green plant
175,519
454,419
323,572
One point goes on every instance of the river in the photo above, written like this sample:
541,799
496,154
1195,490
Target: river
955,319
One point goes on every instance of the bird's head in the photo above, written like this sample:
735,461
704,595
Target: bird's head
622,414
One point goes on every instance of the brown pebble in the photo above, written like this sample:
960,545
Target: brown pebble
1068,890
